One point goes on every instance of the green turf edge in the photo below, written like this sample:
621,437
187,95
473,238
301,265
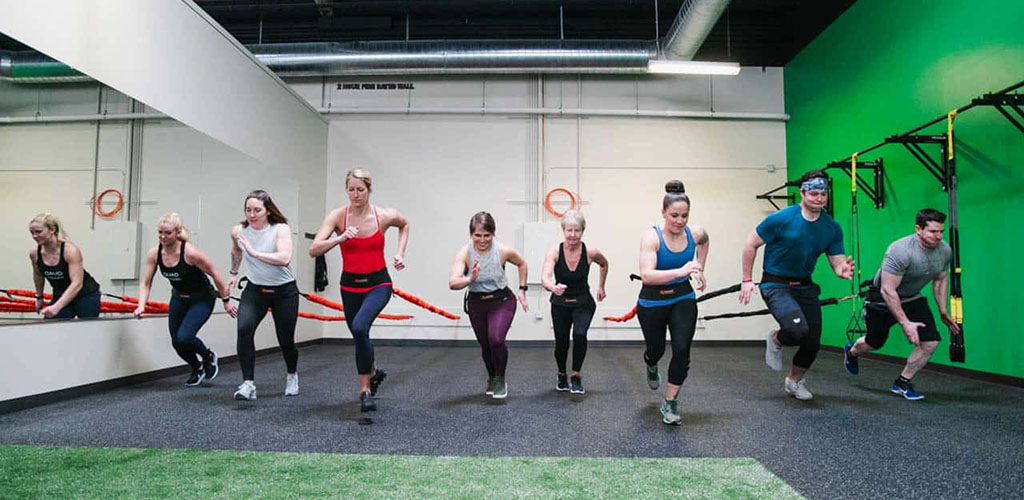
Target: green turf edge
33,472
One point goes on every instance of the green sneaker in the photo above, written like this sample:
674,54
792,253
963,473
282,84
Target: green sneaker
490,386
670,412
653,377
500,388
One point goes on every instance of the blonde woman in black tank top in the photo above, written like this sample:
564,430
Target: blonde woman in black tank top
192,296
54,259
565,275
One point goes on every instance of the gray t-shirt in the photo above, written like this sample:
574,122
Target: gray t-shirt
918,266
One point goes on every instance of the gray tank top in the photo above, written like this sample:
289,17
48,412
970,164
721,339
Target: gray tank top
492,275
259,272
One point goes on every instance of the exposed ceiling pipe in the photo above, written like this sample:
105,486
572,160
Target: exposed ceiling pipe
691,26
456,57
693,22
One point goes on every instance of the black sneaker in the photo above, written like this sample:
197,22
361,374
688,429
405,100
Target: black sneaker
366,402
376,380
563,383
196,378
576,385
210,366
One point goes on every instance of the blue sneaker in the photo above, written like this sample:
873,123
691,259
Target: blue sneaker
850,361
907,392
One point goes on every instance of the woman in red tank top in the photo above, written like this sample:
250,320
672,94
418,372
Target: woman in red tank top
358,230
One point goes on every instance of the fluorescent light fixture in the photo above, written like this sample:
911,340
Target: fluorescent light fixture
665,66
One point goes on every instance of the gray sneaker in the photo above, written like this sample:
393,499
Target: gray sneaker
653,377
772,352
500,388
490,386
670,412
798,390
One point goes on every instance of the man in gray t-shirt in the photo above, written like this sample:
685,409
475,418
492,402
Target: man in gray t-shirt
895,297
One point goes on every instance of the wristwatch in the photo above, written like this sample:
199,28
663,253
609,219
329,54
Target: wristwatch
523,287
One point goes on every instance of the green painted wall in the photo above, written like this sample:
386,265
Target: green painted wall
883,68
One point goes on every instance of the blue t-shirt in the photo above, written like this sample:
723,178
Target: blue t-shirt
793,244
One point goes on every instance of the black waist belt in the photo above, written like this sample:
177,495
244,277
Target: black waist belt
665,292
195,295
767,277
571,300
354,280
484,297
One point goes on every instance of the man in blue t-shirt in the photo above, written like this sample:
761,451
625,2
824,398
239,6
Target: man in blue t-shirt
795,237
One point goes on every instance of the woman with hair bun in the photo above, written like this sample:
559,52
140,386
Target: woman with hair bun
192,295
671,255
57,260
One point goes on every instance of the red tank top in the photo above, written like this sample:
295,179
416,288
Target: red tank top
363,255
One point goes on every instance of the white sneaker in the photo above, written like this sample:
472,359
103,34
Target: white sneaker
772,352
246,392
291,384
798,390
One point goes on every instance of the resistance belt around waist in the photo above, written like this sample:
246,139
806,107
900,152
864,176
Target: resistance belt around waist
666,292
365,281
484,297
767,277
571,300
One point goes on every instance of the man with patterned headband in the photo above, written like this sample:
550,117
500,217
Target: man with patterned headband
795,237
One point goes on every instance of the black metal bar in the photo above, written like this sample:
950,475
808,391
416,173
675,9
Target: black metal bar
961,109
1009,117
1018,110
927,161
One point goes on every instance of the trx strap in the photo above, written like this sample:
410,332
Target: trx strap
854,328
957,354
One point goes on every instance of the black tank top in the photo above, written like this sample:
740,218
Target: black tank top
187,281
60,277
577,289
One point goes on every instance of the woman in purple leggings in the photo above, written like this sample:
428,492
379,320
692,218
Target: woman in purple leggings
490,304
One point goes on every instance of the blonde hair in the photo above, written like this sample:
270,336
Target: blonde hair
174,220
358,173
52,223
574,217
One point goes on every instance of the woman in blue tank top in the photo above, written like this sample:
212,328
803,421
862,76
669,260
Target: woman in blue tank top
670,257
192,296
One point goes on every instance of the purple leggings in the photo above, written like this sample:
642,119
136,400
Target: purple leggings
491,321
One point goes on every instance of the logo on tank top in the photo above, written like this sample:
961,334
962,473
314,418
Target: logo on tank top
54,274
172,276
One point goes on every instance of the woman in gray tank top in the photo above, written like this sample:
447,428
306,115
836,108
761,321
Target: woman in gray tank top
264,242
480,267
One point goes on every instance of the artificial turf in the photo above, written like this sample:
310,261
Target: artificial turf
33,472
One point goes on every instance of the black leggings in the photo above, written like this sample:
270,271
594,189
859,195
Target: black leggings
681,319
576,319
256,299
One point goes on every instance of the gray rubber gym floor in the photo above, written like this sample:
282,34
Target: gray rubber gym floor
854,440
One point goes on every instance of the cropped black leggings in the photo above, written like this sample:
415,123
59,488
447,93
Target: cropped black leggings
256,299
577,320
681,319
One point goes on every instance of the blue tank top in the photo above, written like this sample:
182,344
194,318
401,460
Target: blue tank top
667,259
